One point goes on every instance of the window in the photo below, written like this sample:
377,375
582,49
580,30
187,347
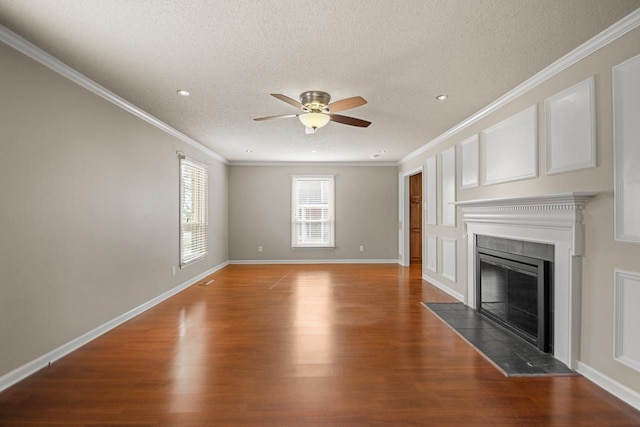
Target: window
312,211
194,182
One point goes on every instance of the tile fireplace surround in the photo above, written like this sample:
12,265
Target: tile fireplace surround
551,219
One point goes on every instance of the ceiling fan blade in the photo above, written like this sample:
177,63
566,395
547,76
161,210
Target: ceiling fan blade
351,121
282,116
346,104
288,100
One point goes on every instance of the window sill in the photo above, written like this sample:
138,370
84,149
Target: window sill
193,261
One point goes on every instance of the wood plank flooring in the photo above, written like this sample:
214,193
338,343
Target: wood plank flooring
298,345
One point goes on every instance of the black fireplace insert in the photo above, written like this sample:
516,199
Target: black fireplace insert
514,287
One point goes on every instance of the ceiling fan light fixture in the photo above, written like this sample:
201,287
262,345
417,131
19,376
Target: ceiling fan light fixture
317,112
314,120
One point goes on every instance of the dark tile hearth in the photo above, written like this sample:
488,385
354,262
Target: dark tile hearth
509,353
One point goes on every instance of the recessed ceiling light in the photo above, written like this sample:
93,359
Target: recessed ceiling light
313,151
183,92
249,151
383,151
442,97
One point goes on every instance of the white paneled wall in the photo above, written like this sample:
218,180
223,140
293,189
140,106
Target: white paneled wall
509,149
448,180
570,128
626,111
432,254
627,318
431,191
448,258
469,161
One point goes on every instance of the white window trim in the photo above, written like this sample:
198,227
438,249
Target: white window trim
202,249
295,244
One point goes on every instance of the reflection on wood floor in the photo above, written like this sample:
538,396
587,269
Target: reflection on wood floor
298,345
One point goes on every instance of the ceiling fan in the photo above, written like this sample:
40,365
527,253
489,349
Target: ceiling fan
317,111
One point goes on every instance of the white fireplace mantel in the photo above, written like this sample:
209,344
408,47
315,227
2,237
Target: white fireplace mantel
552,219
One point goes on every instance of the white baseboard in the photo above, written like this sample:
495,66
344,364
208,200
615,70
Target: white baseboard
35,365
621,391
313,261
443,287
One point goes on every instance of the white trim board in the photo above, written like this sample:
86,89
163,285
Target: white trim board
34,52
443,287
620,391
607,36
311,163
35,365
315,261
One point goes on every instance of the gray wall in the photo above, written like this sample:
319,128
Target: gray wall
366,213
88,213
603,253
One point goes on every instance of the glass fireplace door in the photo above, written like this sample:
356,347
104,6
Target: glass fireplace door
514,287
509,293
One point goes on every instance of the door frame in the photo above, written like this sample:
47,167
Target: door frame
403,214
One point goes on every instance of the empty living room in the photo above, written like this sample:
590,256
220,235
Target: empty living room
304,213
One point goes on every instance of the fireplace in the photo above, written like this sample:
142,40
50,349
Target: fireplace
514,282
555,220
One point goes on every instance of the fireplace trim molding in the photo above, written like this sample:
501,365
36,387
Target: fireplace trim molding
552,219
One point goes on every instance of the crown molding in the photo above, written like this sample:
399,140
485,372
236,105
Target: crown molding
34,52
607,36
291,164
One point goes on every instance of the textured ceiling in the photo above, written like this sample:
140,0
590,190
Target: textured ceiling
231,55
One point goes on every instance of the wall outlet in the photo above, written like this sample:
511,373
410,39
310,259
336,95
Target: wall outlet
361,248
259,248
173,270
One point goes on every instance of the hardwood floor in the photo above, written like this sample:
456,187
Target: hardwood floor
298,345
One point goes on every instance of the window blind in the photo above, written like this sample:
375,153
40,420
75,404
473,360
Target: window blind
312,211
194,221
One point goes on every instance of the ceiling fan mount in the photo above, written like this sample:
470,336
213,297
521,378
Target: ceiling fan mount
317,110
315,100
